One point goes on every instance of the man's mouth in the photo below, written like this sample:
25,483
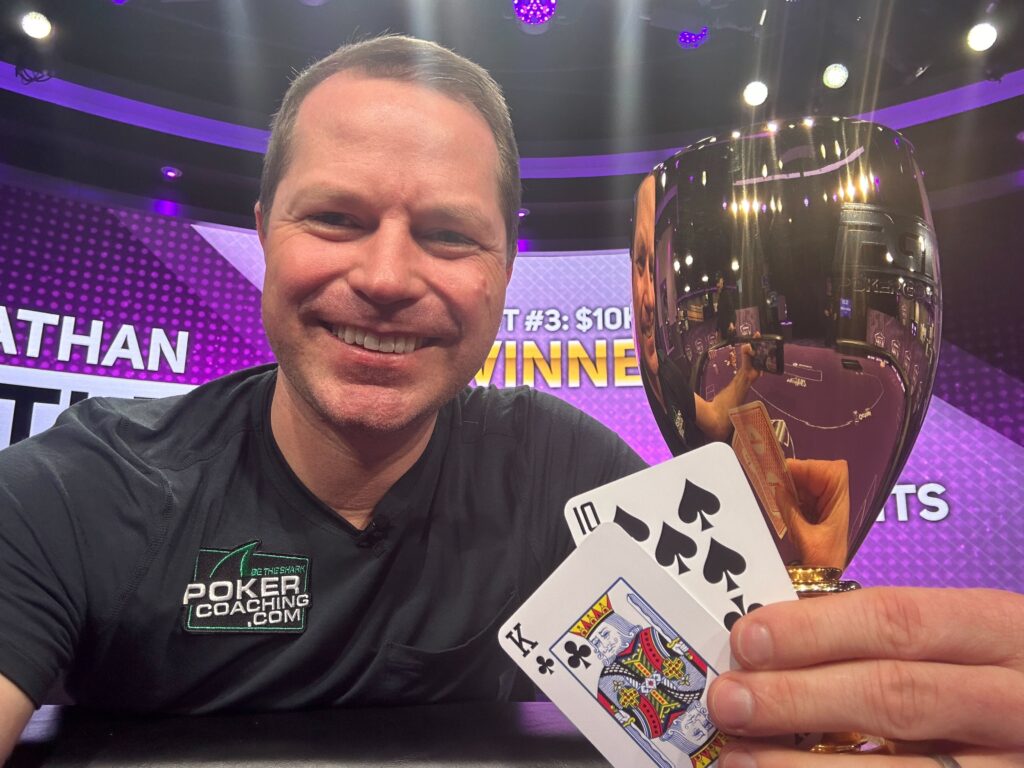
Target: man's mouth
396,344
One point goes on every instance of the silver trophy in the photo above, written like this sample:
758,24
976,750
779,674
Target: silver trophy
786,299
805,252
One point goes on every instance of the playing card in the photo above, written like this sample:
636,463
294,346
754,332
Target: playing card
624,653
762,459
698,518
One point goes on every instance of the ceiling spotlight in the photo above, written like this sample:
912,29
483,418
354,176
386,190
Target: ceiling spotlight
170,173
675,265
756,93
689,259
703,278
736,134
808,122
535,11
981,37
772,127
36,25
835,75
735,265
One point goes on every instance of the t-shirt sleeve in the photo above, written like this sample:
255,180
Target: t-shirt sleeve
42,590
75,522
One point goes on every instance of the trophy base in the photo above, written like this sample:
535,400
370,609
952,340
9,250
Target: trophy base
814,582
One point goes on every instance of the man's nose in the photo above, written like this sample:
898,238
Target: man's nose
388,267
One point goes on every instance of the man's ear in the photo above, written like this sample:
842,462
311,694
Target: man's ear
258,212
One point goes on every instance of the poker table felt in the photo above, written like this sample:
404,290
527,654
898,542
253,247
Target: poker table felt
452,735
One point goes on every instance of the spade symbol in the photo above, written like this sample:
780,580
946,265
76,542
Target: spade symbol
673,548
634,526
723,562
697,502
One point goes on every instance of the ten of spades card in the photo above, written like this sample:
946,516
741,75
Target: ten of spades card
696,515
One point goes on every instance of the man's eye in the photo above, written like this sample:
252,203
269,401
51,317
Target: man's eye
449,237
333,220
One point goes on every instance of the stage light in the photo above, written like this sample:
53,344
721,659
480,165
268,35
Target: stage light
689,39
835,75
981,37
735,266
736,134
675,264
36,25
689,259
535,11
170,173
808,122
703,278
524,212
756,93
772,127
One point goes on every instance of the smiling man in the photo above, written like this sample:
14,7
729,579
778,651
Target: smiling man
352,526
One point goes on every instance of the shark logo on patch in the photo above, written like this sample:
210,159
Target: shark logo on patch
244,590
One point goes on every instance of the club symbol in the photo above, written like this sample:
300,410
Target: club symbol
733,616
546,665
577,654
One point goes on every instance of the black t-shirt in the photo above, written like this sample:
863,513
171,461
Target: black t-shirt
161,555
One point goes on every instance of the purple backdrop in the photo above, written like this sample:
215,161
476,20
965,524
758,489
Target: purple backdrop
106,300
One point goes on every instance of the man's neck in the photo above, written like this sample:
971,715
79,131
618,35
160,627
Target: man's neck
349,471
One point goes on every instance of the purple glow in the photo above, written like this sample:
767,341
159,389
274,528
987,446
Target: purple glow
689,39
948,103
170,173
107,105
524,212
535,11
165,207
1020,136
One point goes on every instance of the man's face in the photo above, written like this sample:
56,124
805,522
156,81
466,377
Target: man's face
607,642
385,251
642,257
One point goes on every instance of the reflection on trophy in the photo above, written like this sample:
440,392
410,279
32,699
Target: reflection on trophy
786,299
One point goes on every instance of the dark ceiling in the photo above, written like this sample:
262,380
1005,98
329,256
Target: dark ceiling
607,76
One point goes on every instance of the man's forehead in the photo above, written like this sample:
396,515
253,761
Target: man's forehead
351,87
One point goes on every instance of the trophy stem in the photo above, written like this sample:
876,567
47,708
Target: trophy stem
809,581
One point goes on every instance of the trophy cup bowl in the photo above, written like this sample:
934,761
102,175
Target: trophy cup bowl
811,242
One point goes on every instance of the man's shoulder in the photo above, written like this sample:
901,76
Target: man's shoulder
541,423
514,409
149,430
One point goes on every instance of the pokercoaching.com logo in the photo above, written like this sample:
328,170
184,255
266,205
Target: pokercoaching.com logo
242,590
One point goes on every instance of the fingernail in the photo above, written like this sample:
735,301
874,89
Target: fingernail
732,705
737,757
754,644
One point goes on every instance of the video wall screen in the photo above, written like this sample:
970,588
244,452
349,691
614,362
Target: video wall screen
99,300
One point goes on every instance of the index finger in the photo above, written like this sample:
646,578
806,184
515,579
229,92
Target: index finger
964,626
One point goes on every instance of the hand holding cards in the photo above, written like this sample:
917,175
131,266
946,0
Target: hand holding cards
610,637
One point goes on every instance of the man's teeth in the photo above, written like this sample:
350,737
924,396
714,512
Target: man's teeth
378,343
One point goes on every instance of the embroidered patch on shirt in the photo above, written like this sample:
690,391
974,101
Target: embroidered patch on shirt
242,590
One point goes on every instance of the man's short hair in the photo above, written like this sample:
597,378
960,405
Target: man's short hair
397,57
